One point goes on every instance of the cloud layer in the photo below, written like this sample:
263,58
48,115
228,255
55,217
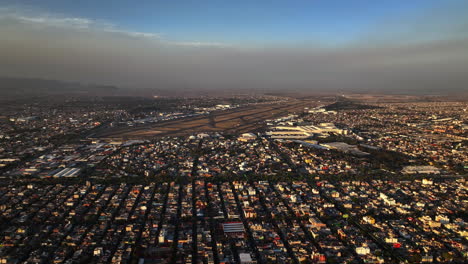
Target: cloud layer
80,49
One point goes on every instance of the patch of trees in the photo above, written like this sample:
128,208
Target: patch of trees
348,105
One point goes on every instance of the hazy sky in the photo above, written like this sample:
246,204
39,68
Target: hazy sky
314,44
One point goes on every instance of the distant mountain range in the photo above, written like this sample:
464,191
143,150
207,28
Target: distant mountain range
16,87
10,86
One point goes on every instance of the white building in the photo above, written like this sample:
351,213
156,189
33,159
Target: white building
301,132
420,169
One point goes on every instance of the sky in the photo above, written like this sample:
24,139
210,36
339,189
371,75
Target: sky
314,45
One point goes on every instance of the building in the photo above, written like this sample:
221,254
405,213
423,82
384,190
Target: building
67,172
302,132
245,258
346,148
233,229
421,170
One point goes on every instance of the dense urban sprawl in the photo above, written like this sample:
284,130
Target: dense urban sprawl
384,183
